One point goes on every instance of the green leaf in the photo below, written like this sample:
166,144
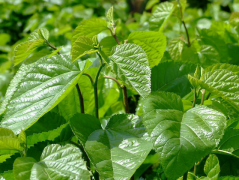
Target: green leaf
115,149
22,138
60,162
43,33
228,178
4,157
89,28
8,140
54,52
175,48
110,15
130,63
178,137
23,50
221,82
13,86
161,15
160,100
83,45
47,82
153,43
22,167
107,43
212,167
8,175
172,77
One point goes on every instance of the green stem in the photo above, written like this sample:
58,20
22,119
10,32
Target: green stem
81,99
95,91
184,25
195,168
114,35
53,47
203,93
89,76
208,96
185,175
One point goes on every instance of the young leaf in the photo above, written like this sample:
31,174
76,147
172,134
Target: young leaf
130,63
89,28
8,140
115,149
178,139
228,178
43,33
212,167
153,43
4,157
60,162
47,82
83,45
110,15
161,15
175,49
221,82
22,167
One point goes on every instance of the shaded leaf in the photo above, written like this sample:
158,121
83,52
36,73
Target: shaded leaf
212,167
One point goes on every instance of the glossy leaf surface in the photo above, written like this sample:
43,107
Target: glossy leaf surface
47,82
60,162
130,63
115,149
178,137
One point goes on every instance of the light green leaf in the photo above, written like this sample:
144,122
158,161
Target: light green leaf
151,3
161,15
110,15
83,45
13,86
160,100
230,67
43,33
8,140
115,149
130,63
60,162
175,48
47,82
107,43
23,50
212,167
54,52
178,139
153,43
89,28
4,157
22,137
221,82
8,175
22,168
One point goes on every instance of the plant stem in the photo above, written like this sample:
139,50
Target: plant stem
208,96
109,77
184,25
95,91
81,99
195,168
126,104
203,93
114,35
185,175
53,47
89,76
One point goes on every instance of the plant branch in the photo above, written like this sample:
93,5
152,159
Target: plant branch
81,99
109,77
53,47
89,76
195,169
208,96
203,93
195,97
95,91
183,22
114,35
126,104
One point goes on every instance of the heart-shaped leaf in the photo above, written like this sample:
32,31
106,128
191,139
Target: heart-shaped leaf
130,63
115,149
181,139
44,85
